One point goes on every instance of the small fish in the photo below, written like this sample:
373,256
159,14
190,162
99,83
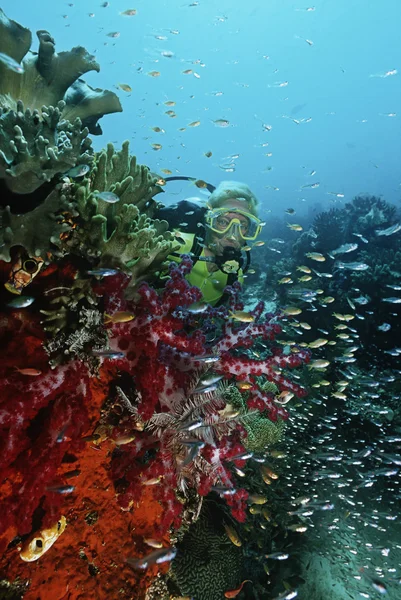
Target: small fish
124,87
21,302
232,535
169,103
295,226
244,385
194,124
352,266
207,358
259,244
288,594
153,480
61,489
221,123
102,272
12,64
285,280
342,317
344,249
112,354
277,556
311,185
200,184
166,171
154,73
78,171
208,154
304,269
190,426
234,593
153,543
318,343
121,316
390,230
290,211
384,327
305,278
108,197
315,256
292,311
197,307
392,300
31,372
113,34
160,130
156,146
318,364
157,557
242,316
130,12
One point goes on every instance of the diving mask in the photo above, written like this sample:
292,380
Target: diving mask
244,224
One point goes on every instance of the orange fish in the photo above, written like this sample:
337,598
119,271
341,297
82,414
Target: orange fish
29,371
234,593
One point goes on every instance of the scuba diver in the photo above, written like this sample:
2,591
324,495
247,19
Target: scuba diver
216,236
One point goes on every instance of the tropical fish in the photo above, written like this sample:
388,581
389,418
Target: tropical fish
352,266
103,272
234,593
78,171
11,63
232,535
294,226
124,87
21,302
41,543
120,316
344,249
240,315
315,256
108,197
29,371
130,12
389,231
221,123
157,557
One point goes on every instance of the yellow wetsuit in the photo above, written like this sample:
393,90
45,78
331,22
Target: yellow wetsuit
211,284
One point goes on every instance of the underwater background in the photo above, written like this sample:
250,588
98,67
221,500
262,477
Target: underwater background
301,102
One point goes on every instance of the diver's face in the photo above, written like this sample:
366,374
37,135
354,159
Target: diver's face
232,237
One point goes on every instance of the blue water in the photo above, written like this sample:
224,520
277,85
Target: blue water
247,50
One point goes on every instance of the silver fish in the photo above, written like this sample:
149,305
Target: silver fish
108,197
352,266
78,171
11,63
156,557
344,249
21,302
389,231
392,300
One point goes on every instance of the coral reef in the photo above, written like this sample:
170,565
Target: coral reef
46,109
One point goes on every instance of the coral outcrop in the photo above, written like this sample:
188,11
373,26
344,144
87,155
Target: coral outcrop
47,111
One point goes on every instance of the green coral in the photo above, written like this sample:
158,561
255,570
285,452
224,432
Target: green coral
207,562
35,147
261,431
49,136
120,235
39,230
